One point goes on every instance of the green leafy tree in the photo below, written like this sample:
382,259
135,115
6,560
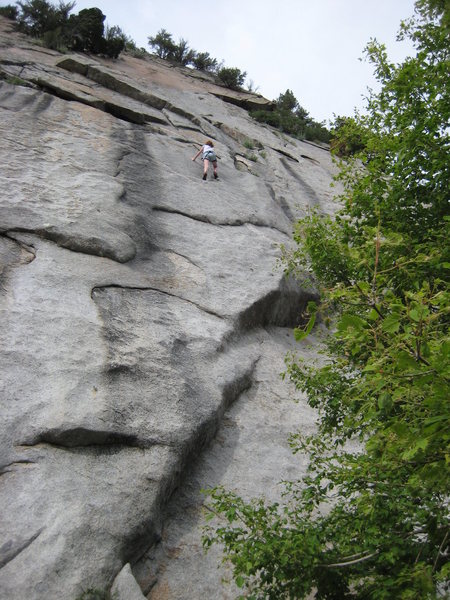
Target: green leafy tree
182,54
232,77
163,44
287,102
373,523
288,116
9,11
36,17
202,61
115,41
347,137
87,30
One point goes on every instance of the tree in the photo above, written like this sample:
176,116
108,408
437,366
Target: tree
163,44
287,102
115,41
9,11
37,17
347,137
371,524
182,54
232,77
202,61
87,30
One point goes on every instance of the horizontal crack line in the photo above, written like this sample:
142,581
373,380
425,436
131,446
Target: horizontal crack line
205,219
159,291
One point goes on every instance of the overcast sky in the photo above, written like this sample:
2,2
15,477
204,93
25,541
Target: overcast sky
312,47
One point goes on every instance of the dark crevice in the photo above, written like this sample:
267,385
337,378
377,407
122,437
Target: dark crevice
283,307
185,257
82,437
7,468
204,219
311,159
284,153
310,193
9,550
74,242
233,390
202,437
174,211
316,145
9,235
282,203
157,290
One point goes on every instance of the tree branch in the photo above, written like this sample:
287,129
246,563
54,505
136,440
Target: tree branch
351,562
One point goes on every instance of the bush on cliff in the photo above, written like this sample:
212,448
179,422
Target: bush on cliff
9,11
371,524
59,30
232,77
202,61
289,117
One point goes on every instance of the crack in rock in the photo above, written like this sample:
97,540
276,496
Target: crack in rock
82,437
153,289
10,549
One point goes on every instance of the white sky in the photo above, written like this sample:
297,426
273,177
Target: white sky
312,47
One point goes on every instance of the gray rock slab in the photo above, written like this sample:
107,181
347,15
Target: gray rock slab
249,455
141,309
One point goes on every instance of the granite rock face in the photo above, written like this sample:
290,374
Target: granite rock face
139,307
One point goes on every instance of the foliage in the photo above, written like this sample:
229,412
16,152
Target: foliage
9,11
36,17
183,55
347,137
202,61
87,30
14,80
232,77
60,31
162,43
115,41
288,116
371,523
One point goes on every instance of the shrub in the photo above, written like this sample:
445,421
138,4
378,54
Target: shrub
202,61
182,54
266,116
36,17
232,77
163,44
87,30
371,524
115,41
9,11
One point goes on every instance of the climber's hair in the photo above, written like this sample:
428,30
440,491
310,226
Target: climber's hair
209,143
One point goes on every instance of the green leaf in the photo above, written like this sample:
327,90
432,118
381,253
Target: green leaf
415,315
391,323
349,321
385,401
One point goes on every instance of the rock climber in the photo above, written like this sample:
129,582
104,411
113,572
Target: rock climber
208,156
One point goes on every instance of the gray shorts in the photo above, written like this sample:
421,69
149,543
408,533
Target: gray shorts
209,156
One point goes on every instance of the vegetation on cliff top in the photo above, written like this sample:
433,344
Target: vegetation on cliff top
85,32
371,524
